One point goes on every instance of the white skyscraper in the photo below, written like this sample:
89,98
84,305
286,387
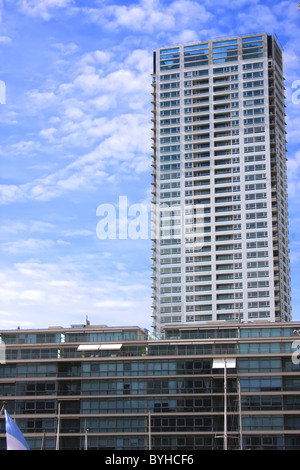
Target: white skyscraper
220,249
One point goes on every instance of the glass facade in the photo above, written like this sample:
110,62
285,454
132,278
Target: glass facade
174,379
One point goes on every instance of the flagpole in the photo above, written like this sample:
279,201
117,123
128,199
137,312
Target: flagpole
240,415
225,405
58,424
86,440
2,409
149,430
43,445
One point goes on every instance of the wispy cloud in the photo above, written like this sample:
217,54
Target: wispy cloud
43,8
63,297
31,245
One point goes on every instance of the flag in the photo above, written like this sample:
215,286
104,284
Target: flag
14,438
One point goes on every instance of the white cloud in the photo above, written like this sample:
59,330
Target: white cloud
48,134
36,101
129,137
103,103
41,226
291,62
188,10
185,36
66,49
43,8
293,172
149,16
76,110
10,193
31,295
5,40
78,233
25,147
258,16
124,148
12,227
94,58
31,245
146,15
293,165
73,113
45,294
79,180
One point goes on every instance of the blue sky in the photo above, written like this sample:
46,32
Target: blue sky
76,134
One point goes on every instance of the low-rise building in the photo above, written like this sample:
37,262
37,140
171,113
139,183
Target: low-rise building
100,387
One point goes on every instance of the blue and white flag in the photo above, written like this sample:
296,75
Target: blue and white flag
14,438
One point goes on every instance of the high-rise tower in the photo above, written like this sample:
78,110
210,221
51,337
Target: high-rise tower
220,244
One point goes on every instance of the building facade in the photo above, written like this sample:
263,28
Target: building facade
95,387
220,238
